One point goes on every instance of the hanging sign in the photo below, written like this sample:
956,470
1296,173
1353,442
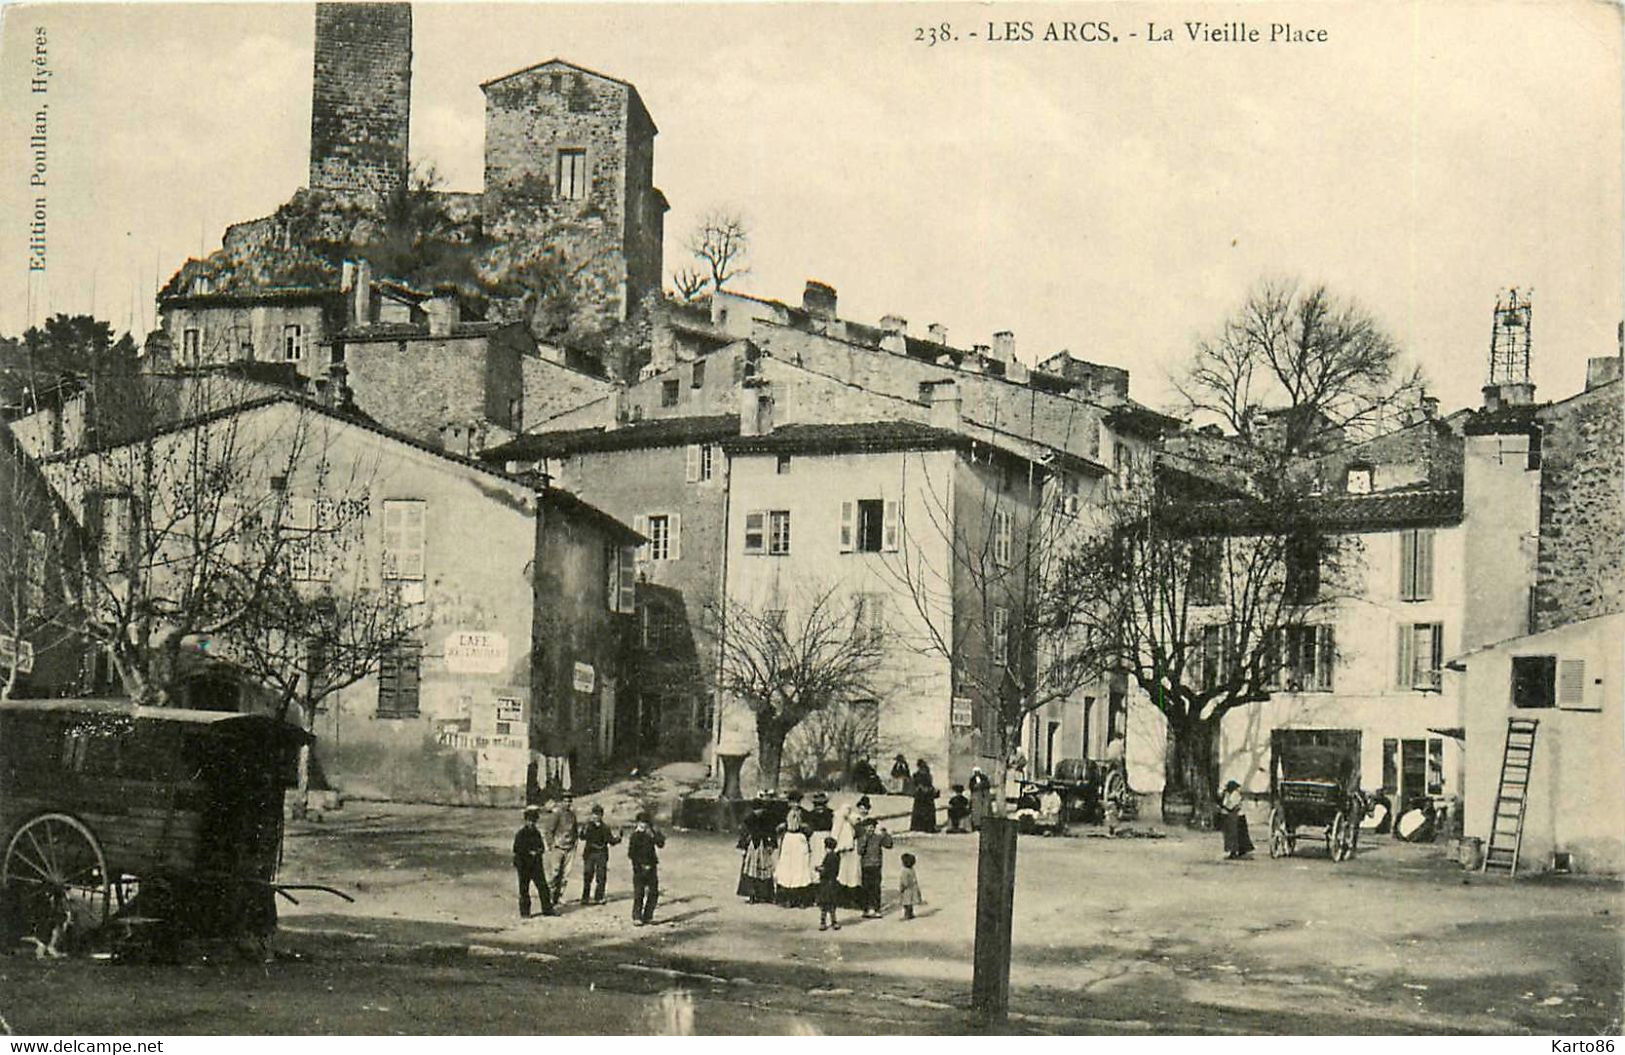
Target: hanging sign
963,713
585,677
18,653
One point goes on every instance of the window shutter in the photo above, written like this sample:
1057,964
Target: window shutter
1407,565
1327,657
640,524
1571,683
1424,565
1436,664
891,526
692,471
674,537
846,527
415,530
1405,668
628,600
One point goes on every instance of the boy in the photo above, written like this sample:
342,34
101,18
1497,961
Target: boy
596,839
527,861
909,887
560,836
641,849
829,886
958,810
873,840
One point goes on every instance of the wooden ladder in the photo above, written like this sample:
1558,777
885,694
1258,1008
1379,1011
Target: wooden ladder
1511,798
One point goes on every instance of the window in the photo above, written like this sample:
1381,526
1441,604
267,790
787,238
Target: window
404,539
668,393
697,377
191,341
998,635
1302,569
623,578
1416,564
755,533
1215,655
1207,571
869,616
1068,502
778,533
701,458
1421,656
1307,662
399,673
664,531
868,525
572,175
306,523
783,465
293,342
1004,526
1571,686
1435,765
34,572
112,519
1357,479
555,82
1534,681
245,350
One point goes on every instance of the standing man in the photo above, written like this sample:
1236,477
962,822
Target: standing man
560,833
873,842
527,861
642,849
596,839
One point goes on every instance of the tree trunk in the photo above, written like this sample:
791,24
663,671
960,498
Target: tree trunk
769,750
1193,772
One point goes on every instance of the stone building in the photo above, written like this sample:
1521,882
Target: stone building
40,652
511,671
361,100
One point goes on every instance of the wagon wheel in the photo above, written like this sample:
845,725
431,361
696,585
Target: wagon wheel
1348,836
54,868
1337,837
1280,841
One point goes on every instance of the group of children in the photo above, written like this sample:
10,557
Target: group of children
530,847
829,887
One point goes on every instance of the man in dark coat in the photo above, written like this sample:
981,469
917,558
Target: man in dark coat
873,840
596,839
820,818
642,849
527,861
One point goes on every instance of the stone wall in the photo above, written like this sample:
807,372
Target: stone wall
1580,568
423,386
361,100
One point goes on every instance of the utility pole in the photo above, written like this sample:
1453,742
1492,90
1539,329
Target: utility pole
995,904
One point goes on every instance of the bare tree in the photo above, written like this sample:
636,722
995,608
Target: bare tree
788,664
1000,608
1297,368
720,242
689,283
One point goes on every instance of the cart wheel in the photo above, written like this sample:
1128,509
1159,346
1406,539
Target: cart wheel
54,872
1337,837
1348,836
1280,841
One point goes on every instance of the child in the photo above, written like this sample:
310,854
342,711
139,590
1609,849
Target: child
909,887
641,849
958,810
829,886
596,839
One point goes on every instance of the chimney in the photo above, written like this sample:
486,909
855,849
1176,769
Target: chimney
818,299
1509,394
944,404
937,332
443,314
755,409
1602,369
1430,406
347,277
361,294
895,337
617,406
1004,346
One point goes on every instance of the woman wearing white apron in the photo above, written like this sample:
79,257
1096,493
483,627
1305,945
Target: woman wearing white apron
793,885
850,877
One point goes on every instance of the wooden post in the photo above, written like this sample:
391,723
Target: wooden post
995,902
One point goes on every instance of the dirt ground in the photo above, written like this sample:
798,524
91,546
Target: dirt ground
1143,934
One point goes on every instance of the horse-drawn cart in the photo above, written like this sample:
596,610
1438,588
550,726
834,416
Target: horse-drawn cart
120,821
1315,787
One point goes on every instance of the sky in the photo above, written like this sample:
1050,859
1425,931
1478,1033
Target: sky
1114,199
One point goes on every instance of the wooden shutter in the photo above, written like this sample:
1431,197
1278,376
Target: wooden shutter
1406,661
1571,683
891,526
1436,656
1407,565
640,524
846,526
674,536
627,602
1424,564
692,465
1327,658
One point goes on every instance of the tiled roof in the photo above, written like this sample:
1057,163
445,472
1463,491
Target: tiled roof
860,436
406,331
1373,512
1503,421
264,295
657,432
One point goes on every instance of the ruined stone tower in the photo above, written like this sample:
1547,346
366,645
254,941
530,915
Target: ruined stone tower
569,169
361,102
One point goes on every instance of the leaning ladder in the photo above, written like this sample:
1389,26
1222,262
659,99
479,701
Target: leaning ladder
1511,798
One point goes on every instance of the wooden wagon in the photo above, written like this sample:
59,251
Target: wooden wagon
1315,787
110,812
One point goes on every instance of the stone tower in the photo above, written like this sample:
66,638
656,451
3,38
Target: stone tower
361,102
569,169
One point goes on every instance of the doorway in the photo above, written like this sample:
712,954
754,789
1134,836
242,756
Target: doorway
1051,734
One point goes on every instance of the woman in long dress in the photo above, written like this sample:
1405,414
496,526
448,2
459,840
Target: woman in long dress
981,797
1233,823
850,876
923,818
758,837
792,876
